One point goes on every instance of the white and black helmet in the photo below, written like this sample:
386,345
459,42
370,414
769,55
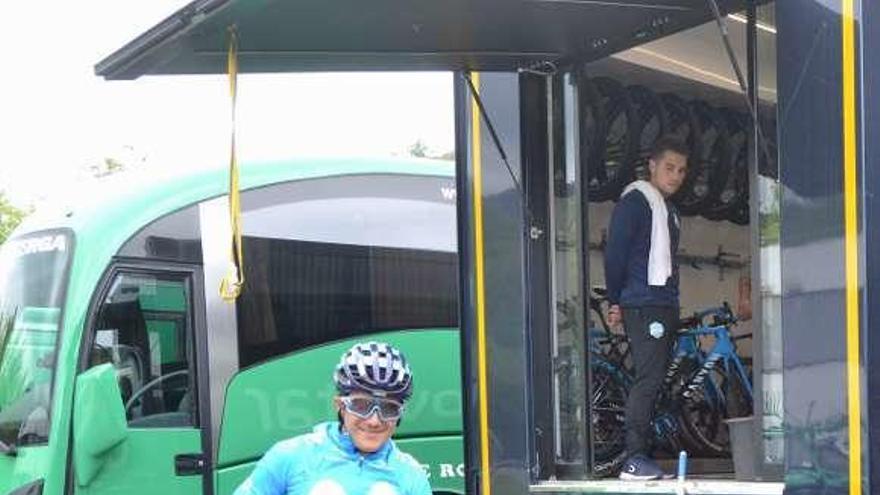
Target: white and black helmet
376,368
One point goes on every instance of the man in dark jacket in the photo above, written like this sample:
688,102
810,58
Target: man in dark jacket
641,276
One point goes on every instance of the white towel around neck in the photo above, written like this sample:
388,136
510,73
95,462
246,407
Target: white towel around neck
659,256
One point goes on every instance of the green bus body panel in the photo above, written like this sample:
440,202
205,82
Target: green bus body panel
31,464
102,224
285,397
98,420
131,200
442,458
226,480
144,463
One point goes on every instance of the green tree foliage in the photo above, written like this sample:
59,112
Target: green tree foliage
418,149
107,167
770,219
10,217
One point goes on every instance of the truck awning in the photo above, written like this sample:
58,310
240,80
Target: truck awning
334,35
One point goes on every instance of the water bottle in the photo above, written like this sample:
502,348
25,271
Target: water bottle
682,465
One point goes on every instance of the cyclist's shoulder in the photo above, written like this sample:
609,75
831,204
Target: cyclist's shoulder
303,444
632,207
634,199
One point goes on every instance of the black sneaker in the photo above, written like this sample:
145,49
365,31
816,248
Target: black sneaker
641,468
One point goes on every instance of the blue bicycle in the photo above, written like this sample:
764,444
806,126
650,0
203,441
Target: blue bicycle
702,387
720,386
612,378
611,382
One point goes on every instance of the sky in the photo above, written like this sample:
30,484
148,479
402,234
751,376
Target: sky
57,118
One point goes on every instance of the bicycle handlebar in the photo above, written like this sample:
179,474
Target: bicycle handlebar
723,315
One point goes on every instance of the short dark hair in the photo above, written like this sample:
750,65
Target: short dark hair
669,143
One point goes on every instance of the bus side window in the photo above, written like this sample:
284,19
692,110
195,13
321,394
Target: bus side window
342,257
142,327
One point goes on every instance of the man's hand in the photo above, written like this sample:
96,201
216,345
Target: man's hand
614,317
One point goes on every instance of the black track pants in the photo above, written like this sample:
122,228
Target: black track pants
650,358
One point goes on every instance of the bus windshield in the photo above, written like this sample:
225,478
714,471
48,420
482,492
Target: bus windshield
33,271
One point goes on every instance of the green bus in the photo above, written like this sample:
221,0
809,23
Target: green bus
122,370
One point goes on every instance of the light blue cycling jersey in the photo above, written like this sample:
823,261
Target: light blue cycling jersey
326,462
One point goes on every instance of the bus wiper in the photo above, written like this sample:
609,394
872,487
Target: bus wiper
8,449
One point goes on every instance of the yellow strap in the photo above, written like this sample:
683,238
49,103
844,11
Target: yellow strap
230,286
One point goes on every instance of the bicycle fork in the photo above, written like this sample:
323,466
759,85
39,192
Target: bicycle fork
695,386
685,347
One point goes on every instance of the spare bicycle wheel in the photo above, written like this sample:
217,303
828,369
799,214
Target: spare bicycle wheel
607,416
653,124
733,198
613,168
707,171
720,396
682,122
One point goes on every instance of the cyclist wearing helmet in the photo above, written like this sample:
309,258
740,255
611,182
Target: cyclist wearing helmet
355,455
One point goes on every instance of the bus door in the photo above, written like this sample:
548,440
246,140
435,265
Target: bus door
143,323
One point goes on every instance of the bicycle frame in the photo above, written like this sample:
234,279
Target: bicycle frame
723,351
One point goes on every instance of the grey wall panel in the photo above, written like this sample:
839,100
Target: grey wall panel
813,276
504,302
505,292
870,170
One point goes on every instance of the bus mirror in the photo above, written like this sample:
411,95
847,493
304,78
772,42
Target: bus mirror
98,420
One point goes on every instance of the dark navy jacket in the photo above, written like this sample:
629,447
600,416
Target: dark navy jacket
626,255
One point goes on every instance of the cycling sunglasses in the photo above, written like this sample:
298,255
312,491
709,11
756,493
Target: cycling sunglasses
364,407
